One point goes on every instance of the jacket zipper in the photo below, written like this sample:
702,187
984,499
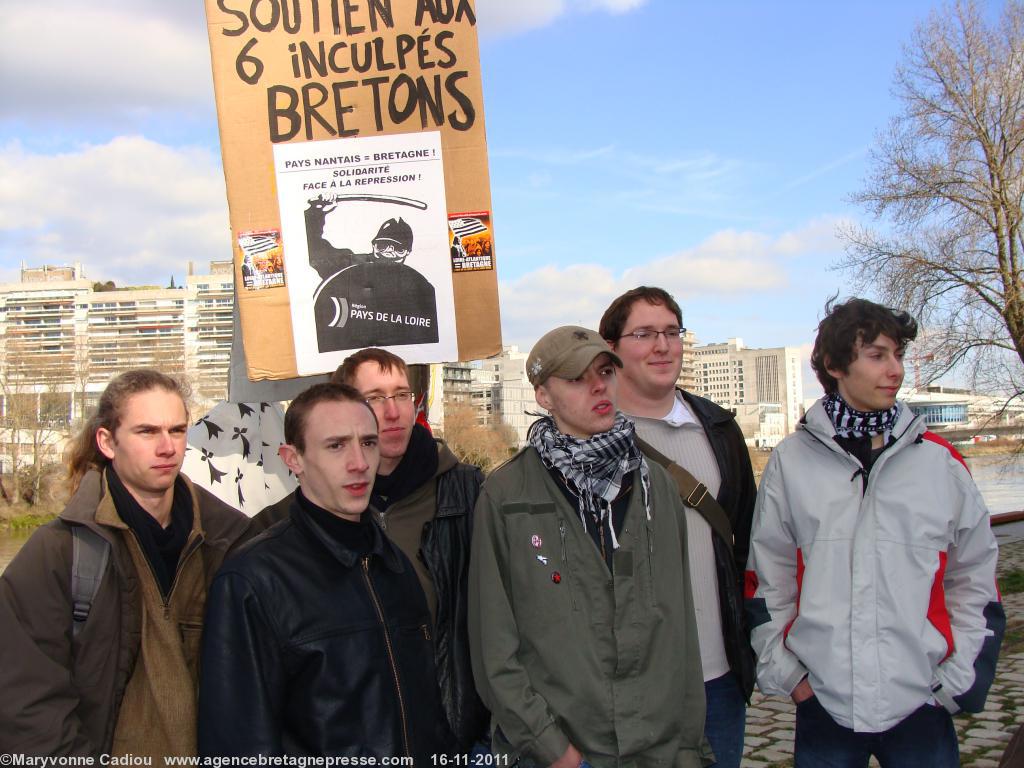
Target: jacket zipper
650,561
165,600
391,653
565,562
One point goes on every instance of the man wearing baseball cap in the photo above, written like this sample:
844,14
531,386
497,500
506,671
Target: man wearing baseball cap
581,623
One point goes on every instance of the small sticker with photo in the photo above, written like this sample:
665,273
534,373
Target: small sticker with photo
262,259
471,242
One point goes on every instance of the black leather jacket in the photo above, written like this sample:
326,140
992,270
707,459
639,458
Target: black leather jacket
736,496
311,649
444,548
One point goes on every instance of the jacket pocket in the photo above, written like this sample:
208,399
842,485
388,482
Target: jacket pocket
539,566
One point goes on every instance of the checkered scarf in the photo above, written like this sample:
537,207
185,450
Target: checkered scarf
595,466
849,422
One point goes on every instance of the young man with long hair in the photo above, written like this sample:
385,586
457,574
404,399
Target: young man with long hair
114,670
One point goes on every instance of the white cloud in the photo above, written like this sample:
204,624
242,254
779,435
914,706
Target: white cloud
505,17
501,17
103,57
725,266
818,236
131,210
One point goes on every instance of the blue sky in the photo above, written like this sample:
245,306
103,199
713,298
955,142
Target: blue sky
707,147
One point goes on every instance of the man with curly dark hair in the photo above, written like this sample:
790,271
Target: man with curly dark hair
871,580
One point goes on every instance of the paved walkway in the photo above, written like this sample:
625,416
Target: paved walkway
983,737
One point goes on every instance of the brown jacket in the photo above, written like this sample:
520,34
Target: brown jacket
61,696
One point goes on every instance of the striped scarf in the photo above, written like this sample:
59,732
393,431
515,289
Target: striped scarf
849,422
596,466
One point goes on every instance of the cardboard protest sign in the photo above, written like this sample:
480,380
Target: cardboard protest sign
312,93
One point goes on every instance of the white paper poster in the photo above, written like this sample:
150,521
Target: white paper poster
366,248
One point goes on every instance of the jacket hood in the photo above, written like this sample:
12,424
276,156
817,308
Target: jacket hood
446,459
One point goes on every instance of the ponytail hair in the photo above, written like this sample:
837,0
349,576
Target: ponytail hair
83,453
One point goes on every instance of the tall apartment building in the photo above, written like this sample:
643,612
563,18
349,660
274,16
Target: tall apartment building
515,396
209,321
64,338
688,373
763,387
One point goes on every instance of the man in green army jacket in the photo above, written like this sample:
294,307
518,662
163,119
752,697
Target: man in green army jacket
582,631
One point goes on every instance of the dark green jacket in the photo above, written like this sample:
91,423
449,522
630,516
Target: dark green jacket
565,653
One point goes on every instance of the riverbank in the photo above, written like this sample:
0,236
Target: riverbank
991,448
23,518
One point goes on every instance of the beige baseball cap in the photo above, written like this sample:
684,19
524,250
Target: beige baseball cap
566,352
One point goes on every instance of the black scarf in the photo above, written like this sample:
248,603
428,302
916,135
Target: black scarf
596,467
161,546
418,465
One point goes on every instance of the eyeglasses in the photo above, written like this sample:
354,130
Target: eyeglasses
400,398
649,335
391,249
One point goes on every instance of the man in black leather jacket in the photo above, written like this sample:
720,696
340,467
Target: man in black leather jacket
423,499
318,638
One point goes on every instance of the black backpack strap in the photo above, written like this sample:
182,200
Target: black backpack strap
89,555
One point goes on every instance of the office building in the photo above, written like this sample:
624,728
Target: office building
761,386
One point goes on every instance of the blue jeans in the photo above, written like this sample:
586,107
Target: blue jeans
925,738
726,720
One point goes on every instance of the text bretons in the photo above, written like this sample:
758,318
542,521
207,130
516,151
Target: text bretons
401,78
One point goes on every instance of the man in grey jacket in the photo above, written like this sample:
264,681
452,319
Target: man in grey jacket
582,630
871,585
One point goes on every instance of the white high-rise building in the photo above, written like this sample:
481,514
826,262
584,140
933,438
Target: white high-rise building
763,387
516,392
65,337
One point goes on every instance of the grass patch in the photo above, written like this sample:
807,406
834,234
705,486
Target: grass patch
25,523
1013,641
1011,582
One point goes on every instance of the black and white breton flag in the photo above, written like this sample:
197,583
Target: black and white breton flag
467,225
253,245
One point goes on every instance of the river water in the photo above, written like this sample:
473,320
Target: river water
1000,478
1001,481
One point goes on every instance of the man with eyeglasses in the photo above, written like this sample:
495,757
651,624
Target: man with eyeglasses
702,447
423,499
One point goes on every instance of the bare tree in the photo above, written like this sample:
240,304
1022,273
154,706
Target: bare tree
946,188
485,446
33,424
